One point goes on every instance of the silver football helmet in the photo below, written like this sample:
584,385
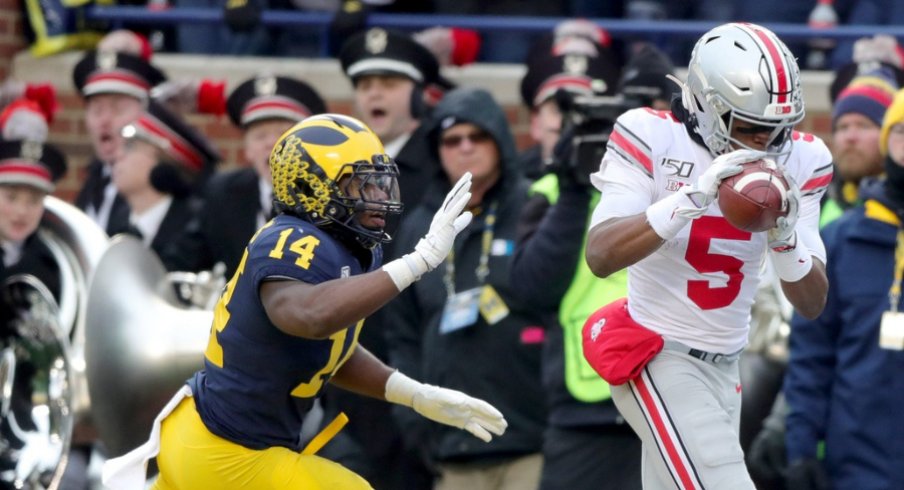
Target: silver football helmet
742,71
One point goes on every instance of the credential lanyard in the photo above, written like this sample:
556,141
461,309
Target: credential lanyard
483,268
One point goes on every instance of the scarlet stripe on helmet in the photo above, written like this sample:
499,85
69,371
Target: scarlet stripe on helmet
631,148
669,443
775,61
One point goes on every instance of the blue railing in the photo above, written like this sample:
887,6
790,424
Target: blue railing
616,27
661,33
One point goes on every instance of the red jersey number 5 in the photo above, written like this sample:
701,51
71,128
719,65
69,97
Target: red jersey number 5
703,230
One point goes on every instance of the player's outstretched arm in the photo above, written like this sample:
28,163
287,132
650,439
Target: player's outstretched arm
319,310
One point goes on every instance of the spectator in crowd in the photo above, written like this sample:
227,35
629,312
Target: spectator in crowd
115,89
28,171
587,444
460,326
288,323
644,78
856,123
237,203
692,277
578,66
844,383
155,170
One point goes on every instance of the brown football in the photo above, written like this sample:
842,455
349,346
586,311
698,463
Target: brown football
753,199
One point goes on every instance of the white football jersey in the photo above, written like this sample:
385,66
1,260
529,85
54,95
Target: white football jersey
698,287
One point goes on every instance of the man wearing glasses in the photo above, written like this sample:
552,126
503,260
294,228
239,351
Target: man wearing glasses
461,324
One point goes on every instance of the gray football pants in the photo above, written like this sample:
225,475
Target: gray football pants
687,413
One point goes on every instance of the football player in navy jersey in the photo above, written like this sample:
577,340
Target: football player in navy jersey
288,323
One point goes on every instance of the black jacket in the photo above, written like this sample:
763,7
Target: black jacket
174,224
222,228
499,363
119,213
550,245
418,168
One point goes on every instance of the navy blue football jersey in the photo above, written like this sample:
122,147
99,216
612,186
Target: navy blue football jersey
258,382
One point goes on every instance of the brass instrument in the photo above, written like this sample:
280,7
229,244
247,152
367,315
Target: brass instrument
105,358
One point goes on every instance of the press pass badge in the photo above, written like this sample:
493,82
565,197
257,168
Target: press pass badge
891,331
460,311
492,307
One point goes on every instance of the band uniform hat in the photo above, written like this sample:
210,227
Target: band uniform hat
272,97
378,51
111,72
548,72
23,119
179,141
31,163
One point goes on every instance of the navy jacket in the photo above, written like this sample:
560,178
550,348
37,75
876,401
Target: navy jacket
840,385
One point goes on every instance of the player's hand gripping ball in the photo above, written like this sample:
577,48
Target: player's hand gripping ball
755,198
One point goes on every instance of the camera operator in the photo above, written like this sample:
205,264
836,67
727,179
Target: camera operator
572,64
587,445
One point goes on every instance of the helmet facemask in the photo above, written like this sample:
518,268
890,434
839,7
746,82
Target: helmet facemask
365,191
361,188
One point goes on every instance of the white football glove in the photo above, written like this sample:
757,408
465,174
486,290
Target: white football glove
705,190
791,260
432,250
783,237
668,216
446,406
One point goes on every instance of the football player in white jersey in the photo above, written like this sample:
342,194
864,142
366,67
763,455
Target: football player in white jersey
692,276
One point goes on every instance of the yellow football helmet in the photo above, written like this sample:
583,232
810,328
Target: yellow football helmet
329,167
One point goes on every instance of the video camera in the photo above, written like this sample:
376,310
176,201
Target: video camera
587,122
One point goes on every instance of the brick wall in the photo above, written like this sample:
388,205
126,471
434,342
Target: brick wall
68,129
